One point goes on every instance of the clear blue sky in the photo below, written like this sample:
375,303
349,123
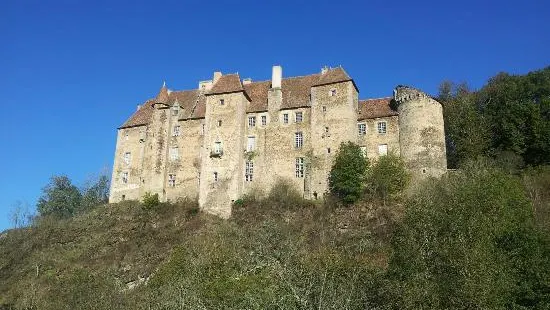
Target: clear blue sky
72,71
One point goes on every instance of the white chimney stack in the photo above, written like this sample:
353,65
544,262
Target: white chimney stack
217,76
276,77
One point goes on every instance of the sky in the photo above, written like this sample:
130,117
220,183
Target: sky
71,72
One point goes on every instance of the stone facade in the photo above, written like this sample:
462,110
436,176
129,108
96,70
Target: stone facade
231,137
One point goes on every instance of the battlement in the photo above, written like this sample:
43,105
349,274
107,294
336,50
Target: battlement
402,94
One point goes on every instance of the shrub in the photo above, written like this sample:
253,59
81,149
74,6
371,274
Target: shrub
59,198
387,177
347,175
150,201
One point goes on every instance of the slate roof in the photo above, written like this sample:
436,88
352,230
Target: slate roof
373,108
295,90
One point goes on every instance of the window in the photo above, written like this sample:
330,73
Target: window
215,176
381,127
174,153
332,92
219,123
252,121
124,177
298,140
126,136
176,131
299,167
218,148
172,180
324,108
249,171
251,144
362,127
264,120
298,117
285,118
222,102
175,110
127,158
364,151
382,149
328,150
202,129
326,129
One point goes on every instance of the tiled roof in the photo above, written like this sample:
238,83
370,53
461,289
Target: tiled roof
334,75
373,108
295,90
141,116
227,84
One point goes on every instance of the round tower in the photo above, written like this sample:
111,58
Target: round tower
421,132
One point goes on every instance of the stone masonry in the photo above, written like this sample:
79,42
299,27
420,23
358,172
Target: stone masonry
230,137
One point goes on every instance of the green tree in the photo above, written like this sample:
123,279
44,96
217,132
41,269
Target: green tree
347,176
96,192
468,242
387,177
59,197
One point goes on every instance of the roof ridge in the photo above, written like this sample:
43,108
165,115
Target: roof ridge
388,97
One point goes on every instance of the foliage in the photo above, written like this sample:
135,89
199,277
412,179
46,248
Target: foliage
509,114
96,192
537,185
468,242
150,201
59,198
347,175
387,177
20,215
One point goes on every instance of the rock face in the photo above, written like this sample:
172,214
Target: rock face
231,137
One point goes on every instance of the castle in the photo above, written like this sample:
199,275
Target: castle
230,136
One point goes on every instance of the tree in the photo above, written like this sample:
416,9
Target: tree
96,192
20,215
347,176
468,242
387,177
59,198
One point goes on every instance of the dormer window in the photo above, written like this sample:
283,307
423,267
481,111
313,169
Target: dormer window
175,110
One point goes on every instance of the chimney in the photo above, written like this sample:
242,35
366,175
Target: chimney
247,81
324,70
276,77
217,76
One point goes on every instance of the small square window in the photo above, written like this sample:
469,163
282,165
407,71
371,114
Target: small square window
176,131
362,128
328,150
219,123
382,149
332,92
126,136
285,118
249,171
124,177
298,140
127,158
172,180
222,102
174,153
324,108
299,167
298,117
381,127
252,121
264,120
175,110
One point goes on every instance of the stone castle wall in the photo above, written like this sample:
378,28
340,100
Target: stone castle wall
217,180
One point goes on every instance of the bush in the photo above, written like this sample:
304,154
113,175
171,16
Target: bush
59,198
347,175
150,201
387,177
468,242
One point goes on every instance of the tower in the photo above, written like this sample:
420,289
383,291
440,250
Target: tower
421,132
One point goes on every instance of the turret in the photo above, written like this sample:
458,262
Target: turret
421,132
